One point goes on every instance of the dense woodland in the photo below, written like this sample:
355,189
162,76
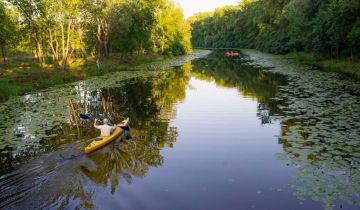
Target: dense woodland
330,28
54,32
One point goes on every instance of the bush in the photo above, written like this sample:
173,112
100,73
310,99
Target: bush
304,58
94,71
7,90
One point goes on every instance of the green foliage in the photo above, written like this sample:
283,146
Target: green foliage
33,77
303,58
10,88
354,35
7,29
335,65
58,31
55,80
327,27
93,71
7,90
343,66
156,27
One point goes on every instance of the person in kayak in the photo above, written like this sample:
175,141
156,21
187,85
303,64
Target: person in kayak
106,129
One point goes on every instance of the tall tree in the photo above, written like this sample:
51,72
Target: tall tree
8,29
32,13
327,27
63,29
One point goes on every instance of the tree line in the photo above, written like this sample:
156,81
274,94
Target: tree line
329,28
55,31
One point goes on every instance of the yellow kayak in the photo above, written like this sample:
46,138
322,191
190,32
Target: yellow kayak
95,145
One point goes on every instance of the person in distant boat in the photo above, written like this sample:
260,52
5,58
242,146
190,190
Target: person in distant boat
106,129
231,54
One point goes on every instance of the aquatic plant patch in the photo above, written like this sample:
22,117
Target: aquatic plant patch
320,129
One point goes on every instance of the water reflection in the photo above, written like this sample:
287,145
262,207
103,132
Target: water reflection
251,82
148,101
320,115
41,122
320,132
318,146
320,123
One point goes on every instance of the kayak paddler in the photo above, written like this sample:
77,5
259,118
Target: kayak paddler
105,129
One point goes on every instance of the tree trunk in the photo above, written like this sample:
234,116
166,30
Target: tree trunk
82,48
66,55
70,53
62,43
56,46
106,29
55,55
38,51
41,55
99,53
3,54
33,50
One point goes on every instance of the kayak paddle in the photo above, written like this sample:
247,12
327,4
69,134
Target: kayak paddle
84,117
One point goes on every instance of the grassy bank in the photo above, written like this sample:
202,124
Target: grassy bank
19,76
345,66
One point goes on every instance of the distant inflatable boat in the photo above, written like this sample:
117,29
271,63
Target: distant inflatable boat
231,54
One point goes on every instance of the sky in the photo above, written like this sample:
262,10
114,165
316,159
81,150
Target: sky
194,6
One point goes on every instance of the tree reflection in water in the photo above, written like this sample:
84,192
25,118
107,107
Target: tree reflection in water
147,101
325,160
325,154
149,104
251,82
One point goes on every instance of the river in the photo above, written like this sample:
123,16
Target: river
256,131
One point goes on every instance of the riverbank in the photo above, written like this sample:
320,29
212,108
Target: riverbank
346,66
18,78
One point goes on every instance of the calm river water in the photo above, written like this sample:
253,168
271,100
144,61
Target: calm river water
214,133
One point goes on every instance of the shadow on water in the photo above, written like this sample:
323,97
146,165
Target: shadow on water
315,143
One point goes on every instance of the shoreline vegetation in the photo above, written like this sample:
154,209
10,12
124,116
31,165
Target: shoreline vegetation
45,43
324,33
345,66
19,79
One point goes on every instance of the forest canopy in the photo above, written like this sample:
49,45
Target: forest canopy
327,27
57,31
